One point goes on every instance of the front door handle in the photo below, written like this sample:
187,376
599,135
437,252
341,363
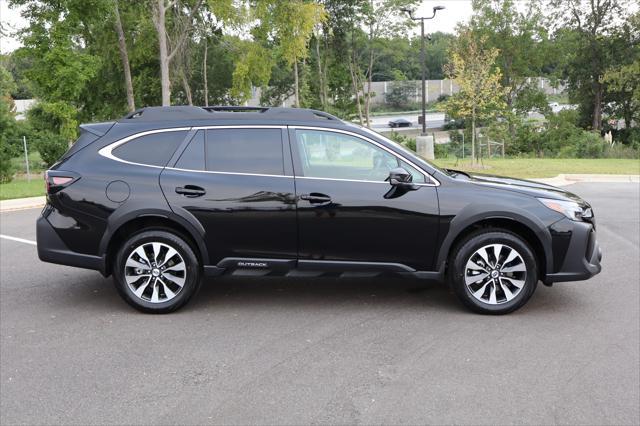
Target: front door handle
191,191
316,198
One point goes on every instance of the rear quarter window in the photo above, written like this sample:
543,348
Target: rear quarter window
155,149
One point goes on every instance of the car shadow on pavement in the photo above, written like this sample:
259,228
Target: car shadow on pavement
319,293
285,292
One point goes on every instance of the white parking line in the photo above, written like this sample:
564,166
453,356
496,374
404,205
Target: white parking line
20,240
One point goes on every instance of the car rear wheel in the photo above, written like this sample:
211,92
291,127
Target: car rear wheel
493,272
156,271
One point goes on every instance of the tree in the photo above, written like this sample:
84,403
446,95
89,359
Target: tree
166,50
382,18
291,23
623,76
585,27
481,94
521,40
124,56
7,125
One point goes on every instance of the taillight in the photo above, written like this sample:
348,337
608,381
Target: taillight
60,180
55,180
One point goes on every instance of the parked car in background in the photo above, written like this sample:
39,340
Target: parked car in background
168,195
399,122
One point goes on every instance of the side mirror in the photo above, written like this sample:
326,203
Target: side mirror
400,177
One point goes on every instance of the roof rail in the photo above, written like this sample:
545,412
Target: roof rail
235,108
170,113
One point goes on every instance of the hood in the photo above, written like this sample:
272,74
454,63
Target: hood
528,187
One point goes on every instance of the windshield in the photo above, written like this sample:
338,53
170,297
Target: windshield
402,148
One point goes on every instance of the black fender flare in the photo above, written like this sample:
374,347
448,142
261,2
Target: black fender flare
120,218
478,212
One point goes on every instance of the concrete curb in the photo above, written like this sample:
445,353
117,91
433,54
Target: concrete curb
560,180
569,179
22,203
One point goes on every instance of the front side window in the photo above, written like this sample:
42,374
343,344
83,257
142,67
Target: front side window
325,154
255,151
155,149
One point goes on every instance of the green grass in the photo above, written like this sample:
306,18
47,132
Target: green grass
21,188
545,167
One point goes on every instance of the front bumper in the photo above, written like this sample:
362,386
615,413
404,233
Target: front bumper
581,254
52,249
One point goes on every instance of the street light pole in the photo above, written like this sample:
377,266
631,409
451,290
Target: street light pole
423,59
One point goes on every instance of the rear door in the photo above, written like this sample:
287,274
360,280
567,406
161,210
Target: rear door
237,182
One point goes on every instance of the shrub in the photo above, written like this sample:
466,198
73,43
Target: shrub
51,146
9,141
621,151
399,94
403,140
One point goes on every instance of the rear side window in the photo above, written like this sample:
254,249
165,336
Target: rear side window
193,156
245,151
155,149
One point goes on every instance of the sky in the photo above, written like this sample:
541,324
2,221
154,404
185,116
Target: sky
445,20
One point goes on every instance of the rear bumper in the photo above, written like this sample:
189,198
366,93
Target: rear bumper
52,249
583,256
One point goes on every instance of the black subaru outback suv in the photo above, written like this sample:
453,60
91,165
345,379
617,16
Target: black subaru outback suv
165,196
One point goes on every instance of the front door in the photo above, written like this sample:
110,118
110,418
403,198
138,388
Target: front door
237,182
348,212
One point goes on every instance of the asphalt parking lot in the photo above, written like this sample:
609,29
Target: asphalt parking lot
299,351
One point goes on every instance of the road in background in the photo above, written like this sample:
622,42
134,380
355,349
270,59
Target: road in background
323,351
381,122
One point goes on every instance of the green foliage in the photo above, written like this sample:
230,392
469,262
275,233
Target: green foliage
56,117
60,70
50,145
521,41
7,83
403,140
253,67
8,141
400,93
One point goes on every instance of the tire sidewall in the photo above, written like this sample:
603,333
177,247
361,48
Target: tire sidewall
475,242
192,281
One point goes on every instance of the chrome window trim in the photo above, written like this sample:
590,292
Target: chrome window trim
107,151
434,181
226,173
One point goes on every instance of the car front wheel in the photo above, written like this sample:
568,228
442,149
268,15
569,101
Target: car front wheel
156,271
493,272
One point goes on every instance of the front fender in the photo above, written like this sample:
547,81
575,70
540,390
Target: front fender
478,212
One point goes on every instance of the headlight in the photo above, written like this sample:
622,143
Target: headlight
570,209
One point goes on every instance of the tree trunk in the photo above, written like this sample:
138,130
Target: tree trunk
204,73
159,22
323,100
124,57
473,136
187,88
325,86
356,90
367,99
597,106
296,87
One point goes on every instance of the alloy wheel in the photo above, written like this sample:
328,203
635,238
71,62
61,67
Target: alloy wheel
155,272
495,274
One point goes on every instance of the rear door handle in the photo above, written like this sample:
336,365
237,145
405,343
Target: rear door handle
316,198
191,191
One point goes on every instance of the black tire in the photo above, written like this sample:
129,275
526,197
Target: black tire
190,276
468,248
